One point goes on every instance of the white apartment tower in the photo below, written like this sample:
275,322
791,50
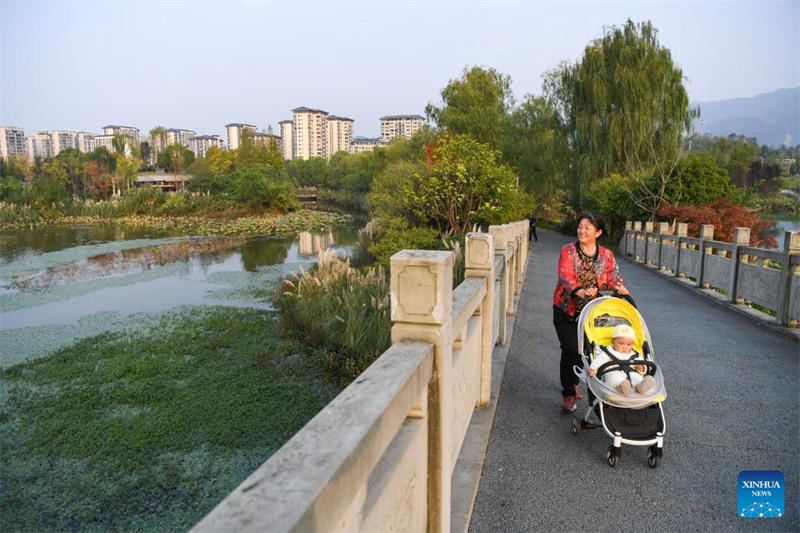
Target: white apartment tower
340,134
84,141
287,136
179,136
310,134
234,134
401,126
200,145
363,144
124,131
12,141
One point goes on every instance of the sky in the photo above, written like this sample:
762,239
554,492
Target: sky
199,65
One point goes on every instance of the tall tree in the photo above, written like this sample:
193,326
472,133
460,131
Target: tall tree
158,141
477,104
625,110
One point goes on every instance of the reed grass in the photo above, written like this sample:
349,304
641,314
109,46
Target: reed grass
341,308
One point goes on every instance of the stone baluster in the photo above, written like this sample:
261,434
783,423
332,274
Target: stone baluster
663,230
479,263
682,231
791,247
501,248
741,237
706,234
637,228
421,303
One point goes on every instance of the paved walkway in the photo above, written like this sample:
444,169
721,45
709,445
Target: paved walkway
734,404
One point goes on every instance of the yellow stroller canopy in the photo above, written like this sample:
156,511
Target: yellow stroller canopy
600,316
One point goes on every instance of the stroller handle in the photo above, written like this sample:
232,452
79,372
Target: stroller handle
615,294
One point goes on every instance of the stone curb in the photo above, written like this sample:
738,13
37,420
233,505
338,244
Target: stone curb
718,298
467,471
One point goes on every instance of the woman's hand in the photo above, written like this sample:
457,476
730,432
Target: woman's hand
592,371
586,293
621,290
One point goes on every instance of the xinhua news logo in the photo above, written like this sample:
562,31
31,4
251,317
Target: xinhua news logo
760,494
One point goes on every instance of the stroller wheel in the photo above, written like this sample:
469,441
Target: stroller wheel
613,456
652,458
576,426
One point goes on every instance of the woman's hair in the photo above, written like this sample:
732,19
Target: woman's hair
594,220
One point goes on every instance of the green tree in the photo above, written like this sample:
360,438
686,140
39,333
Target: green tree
477,104
158,141
625,110
265,186
219,161
464,183
698,181
537,150
175,158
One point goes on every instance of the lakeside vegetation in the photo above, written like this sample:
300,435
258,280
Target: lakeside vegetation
132,431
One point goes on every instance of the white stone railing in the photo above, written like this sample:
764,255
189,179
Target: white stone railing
740,271
381,455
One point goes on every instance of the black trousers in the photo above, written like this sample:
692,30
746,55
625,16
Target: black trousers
567,331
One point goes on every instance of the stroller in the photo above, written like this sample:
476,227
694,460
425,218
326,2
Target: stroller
637,420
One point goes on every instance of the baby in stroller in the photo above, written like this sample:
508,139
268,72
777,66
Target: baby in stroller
628,378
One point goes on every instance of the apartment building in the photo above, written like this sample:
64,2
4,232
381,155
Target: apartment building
340,134
287,138
233,132
364,144
124,131
84,141
179,136
107,141
310,133
401,126
12,141
200,145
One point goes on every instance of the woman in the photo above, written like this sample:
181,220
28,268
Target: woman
584,268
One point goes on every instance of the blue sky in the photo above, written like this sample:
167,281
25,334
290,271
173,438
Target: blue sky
200,65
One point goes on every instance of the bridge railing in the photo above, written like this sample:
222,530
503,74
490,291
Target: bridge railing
769,278
382,454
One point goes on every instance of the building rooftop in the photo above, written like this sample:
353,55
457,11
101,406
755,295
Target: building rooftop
334,117
370,140
308,110
286,121
237,124
178,129
126,127
397,117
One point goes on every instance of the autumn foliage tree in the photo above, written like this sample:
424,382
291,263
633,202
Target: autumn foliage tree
724,216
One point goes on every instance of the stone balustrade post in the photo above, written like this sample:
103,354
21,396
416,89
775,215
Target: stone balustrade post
421,303
682,231
637,227
706,234
663,229
479,263
511,254
791,247
519,234
741,237
501,248
648,235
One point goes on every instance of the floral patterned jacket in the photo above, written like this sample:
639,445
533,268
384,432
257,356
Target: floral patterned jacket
605,268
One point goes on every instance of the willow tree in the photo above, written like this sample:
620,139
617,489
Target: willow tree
477,104
625,110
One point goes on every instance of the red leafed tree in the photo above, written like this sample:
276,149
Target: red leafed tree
725,216
99,182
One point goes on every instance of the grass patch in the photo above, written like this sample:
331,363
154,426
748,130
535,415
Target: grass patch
149,430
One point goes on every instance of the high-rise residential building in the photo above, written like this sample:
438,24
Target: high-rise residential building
234,134
179,136
12,141
200,145
363,144
340,134
310,134
401,126
41,145
61,140
84,141
287,136
124,131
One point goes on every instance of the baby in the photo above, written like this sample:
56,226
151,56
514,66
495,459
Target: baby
622,349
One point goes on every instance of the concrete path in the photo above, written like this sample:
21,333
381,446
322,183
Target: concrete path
734,404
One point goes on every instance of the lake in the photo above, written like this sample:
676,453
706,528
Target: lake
59,284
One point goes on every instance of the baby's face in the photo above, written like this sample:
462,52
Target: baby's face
622,344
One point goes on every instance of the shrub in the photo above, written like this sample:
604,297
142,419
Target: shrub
341,308
395,239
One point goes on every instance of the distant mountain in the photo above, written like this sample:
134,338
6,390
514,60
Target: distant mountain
772,118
